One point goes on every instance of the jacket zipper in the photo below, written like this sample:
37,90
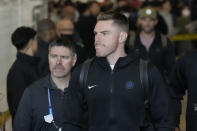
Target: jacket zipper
111,112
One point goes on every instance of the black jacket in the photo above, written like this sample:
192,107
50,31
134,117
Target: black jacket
42,53
162,57
184,77
114,100
34,106
22,73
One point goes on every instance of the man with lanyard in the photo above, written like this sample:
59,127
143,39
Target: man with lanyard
151,44
41,107
113,97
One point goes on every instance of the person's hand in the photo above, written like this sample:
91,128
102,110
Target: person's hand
177,129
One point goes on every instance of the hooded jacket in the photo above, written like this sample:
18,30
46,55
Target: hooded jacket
113,100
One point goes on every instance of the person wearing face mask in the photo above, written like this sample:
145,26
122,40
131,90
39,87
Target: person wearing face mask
85,26
183,20
182,27
65,30
46,32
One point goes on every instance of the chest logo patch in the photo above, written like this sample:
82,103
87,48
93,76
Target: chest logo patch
129,85
91,86
158,50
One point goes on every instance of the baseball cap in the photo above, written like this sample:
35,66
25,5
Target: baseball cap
148,12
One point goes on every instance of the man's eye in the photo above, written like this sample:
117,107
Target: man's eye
65,57
105,33
53,56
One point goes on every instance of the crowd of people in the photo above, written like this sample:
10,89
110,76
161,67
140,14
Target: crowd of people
81,69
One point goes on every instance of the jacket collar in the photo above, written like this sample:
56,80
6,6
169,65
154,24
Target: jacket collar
122,61
49,83
27,59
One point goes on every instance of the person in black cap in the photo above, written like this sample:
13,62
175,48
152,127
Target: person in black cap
24,70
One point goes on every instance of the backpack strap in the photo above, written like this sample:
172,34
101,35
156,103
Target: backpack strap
164,41
84,73
143,67
132,40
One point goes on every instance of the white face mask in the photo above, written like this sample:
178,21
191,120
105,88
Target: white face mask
186,12
126,14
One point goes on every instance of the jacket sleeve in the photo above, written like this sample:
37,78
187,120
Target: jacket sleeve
75,104
22,121
159,102
178,86
15,88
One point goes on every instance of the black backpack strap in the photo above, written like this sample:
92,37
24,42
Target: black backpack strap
164,41
84,73
132,38
143,66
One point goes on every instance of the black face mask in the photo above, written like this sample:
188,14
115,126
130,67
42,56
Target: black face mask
68,37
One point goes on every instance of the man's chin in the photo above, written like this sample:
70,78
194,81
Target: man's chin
99,55
59,75
148,31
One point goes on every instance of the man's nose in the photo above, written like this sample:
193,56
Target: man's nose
97,37
59,60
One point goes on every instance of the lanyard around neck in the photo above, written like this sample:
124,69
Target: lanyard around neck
51,110
50,107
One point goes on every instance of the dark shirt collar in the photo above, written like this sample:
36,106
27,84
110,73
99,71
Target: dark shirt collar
49,83
52,83
27,59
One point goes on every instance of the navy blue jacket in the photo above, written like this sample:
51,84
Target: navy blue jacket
34,106
114,99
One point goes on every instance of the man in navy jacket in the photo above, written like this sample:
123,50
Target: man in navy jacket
113,99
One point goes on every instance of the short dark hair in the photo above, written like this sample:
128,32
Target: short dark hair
45,25
63,42
90,3
117,18
21,36
69,3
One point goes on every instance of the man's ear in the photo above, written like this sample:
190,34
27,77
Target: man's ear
30,44
123,37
